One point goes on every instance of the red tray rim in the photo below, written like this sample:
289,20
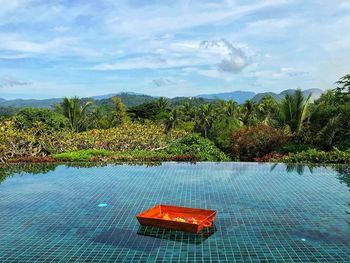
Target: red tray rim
213,213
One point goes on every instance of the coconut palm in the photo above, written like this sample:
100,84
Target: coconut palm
163,103
248,112
172,120
187,110
72,109
294,110
204,118
327,133
268,110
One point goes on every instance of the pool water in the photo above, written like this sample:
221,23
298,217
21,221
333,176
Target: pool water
266,213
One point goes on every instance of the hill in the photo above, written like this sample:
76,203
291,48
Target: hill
315,94
238,96
131,99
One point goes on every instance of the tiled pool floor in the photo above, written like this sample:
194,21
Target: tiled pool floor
265,214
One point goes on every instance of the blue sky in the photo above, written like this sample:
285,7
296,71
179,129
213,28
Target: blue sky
170,48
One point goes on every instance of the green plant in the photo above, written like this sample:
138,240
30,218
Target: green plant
294,110
317,156
293,148
75,111
26,118
119,114
203,149
82,155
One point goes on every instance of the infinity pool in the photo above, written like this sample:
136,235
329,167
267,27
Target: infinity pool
266,213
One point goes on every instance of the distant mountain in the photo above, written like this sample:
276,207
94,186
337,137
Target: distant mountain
177,101
19,103
238,96
107,96
128,98
315,94
131,99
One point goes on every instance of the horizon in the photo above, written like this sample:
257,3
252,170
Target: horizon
186,48
155,96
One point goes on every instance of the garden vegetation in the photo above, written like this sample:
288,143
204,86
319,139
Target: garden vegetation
295,129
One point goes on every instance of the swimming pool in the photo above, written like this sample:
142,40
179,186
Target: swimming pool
266,213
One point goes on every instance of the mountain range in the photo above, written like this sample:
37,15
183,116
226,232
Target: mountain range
242,96
131,99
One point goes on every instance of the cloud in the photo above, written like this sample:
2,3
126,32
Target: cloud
167,18
233,60
163,82
16,43
182,54
9,81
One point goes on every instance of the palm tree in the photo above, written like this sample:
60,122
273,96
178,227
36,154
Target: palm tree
327,133
172,120
163,103
205,118
187,110
294,110
248,111
231,109
72,109
268,110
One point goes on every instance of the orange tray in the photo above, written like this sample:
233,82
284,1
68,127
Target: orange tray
155,217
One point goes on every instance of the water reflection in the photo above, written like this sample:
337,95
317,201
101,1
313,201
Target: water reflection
177,235
7,170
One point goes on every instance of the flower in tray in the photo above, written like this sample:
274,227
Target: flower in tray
166,217
179,219
192,220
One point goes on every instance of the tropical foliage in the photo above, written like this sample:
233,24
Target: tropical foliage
294,129
248,143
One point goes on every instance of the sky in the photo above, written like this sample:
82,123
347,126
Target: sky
170,48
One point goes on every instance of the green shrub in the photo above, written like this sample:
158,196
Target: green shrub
26,119
128,156
128,137
293,148
82,155
248,143
203,149
37,141
317,156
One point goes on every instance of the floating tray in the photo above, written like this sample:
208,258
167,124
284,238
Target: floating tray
193,220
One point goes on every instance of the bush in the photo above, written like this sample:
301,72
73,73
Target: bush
83,155
270,157
293,148
317,156
248,143
15,143
129,156
28,117
203,149
37,141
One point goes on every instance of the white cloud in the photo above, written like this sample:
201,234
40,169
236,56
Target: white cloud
159,82
221,53
233,60
166,19
8,81
15,43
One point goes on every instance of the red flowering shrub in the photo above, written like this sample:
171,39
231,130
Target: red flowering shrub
270,157
248,143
